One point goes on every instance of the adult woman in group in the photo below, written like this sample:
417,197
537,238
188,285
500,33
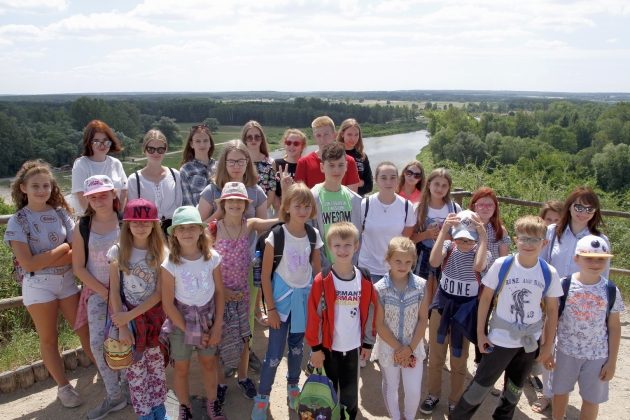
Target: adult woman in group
155,182
411,182
198,166
98,140
484,202
253,136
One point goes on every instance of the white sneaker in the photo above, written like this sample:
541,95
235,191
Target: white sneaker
69,396
106,407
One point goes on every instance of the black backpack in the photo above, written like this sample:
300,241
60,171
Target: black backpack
84,230
278,241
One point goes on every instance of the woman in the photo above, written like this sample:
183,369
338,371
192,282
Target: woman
157,183
253,136
98,141
411,182
198,167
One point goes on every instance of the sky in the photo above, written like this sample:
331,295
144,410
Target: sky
64,46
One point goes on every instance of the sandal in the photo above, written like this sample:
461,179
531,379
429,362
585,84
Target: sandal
541,404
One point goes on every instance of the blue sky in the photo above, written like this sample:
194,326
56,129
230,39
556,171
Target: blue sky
63,46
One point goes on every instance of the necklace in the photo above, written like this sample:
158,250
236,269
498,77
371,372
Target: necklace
384,206
227,231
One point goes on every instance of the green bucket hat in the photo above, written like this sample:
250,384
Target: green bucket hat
186,215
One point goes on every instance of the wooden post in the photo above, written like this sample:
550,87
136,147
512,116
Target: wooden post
24,376
7,382
40,371
70,359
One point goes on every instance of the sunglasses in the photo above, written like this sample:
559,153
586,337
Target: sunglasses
416,175
584,209
161,150
254,137
295,143
105,143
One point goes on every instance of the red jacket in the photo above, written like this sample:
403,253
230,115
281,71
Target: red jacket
320,321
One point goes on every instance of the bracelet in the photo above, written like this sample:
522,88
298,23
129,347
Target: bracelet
271,309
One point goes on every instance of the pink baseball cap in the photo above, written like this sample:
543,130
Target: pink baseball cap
140,210
96,184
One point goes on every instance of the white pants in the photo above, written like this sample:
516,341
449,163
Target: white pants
412,382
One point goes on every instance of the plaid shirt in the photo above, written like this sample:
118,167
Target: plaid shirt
198,320
195,175
148,326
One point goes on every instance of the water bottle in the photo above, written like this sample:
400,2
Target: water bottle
257,269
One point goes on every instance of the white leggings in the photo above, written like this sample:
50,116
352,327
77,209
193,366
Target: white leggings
412,382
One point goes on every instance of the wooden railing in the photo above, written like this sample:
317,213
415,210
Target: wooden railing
458,195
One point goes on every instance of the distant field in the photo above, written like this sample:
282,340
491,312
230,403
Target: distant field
231,132
421,104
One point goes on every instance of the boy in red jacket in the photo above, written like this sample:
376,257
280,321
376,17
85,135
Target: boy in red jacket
340,321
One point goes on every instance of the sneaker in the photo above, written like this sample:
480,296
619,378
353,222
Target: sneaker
309,369
215,410
221,393
184,413
293,393
261,405
69,396
248,388
429,404
254,363
106,407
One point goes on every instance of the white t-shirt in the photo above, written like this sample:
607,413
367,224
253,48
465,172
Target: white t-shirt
435,217
383,222
519,298
194,282
141,282
347,331
166,194
582,329
295,265
84,168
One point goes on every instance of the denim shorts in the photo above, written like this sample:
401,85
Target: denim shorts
570,370
44,288
181,351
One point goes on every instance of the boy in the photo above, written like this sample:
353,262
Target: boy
308,167
522,282
335,202
589,331
462,259
340,324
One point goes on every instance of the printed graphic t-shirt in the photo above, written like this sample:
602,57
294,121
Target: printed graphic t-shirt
347,333
582,329
295,265
194,282
435,218
141,281
336,207
519,298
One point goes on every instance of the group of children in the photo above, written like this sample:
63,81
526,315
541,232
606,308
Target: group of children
429,264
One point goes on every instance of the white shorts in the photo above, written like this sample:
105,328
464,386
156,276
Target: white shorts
44,288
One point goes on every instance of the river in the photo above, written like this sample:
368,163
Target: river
397,148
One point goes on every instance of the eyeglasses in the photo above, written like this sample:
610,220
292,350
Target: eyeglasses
253,137
584,209
528,240
416,175
161,150
484,205
238,162
105,143
198,126
295,143
465,241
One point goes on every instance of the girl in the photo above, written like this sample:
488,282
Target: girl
39,234
92,269
98,141
287,294
294,144
350,136
551,211
197,167
484,202
254,138
435,205
385,215
193,299
231,241
411,182
155,182
235,165
580,216
136,261
401,321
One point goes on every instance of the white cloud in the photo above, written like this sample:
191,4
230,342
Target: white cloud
34,5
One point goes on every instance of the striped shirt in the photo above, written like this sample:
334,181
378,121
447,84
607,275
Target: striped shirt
458,275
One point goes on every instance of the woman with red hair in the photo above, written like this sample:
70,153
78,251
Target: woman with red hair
484,203
98,140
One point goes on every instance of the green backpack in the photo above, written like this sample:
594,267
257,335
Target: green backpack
318,399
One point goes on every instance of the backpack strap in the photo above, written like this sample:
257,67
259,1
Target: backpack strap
406,211
546,271
138,183
312,237
278,245
503,272
565,282
611,292
367,207
172,174
84,229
